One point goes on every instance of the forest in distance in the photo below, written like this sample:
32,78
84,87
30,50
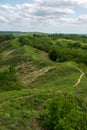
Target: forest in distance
43,81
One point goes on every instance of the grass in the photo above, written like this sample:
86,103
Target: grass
37,56
24,111
21,109
59,78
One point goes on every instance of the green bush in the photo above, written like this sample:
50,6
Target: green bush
60,54
41,43
63,113
8,80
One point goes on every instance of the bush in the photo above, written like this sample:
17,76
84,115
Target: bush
58,54
8,80
41,43
63,113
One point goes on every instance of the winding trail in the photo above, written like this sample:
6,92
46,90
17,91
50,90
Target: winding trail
27,96
79,79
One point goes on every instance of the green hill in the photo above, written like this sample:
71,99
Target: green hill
43,83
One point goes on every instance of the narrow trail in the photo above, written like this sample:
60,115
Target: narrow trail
79,79
7,53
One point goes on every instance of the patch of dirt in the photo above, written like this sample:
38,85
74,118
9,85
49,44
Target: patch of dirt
7,53
31,77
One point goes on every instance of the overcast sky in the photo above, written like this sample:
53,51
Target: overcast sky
58,16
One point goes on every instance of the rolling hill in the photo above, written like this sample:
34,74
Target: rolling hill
31,75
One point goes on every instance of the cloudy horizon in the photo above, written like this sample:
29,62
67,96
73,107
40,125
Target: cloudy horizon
53,16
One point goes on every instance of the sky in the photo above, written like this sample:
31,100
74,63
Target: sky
51,16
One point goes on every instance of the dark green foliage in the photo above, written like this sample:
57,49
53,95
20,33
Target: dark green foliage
24,40
62,50
8,80
70,43
63,113
74,45
5,37
76,37
41,43
57,55
67,54
53,55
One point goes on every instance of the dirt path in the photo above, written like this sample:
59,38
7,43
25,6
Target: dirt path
79,79
7,53
33,76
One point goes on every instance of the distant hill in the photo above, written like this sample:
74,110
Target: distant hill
19,33
8,32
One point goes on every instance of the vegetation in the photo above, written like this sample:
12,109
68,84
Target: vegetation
66,54
60,50
8,80
4,37
64,113
42,42
43,81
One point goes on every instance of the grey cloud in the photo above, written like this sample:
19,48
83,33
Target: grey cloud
62,3
41,13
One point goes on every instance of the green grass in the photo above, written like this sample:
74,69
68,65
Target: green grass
60,78
15,43
17,112
36,55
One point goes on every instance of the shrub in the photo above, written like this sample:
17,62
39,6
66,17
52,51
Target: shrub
63,113
8,80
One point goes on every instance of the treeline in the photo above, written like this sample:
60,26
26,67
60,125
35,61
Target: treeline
71,43
60,50
5,37
40,42
60,54
77,37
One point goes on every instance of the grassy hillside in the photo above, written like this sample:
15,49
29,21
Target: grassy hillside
31,82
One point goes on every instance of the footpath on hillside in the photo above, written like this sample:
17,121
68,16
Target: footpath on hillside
79,79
